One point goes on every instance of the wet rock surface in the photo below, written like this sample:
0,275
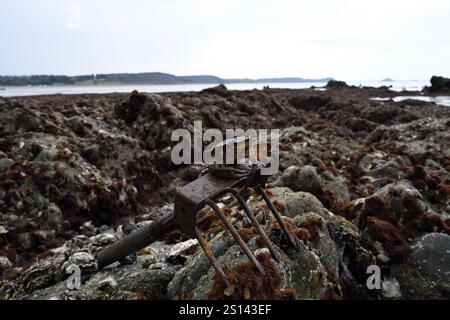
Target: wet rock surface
361,182
431,258
439,85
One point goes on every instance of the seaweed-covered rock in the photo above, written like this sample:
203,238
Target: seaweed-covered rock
130,108
301,272
329,252
359,180
146,277
394,195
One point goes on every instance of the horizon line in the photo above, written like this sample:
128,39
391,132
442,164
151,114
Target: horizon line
386,79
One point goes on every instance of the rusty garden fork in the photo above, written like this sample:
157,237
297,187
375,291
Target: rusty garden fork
189,200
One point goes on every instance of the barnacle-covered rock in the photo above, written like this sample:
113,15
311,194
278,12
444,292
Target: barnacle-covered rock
369,181
321,243
301,272
84,260
40,275
431,259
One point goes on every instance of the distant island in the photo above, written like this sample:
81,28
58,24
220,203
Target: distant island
137,78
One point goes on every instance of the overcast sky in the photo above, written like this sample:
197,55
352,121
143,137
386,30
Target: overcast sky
345,39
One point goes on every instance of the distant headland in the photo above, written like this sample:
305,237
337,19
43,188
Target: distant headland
137,78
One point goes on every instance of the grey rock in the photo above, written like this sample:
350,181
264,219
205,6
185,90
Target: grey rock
431,257
84,260
109,283
336,185
246,223
47,154
383,258
390,288
302,179
52,215
299,203
103,239
306,275
179,248
316,162
329,252
88,229
186,280
389,169
42,274
77,124
153,283
260,217
280,192
148,260
3,230
28,122
394,194
25,241
4,262
158,266
433,165
124,282
5,164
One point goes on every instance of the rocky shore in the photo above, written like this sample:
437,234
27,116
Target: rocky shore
362,182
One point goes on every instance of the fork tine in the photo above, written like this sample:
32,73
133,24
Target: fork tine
236,236
278,216
212,259
255,223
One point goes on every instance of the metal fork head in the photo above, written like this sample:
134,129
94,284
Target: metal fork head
194,196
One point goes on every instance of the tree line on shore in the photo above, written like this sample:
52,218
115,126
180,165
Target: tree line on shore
134,78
